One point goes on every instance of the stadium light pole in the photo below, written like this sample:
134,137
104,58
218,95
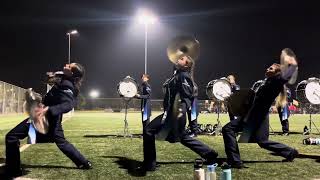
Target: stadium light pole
69,33
146,18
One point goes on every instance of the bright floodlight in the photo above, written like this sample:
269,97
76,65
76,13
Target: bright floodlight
94,94
72,32
146,17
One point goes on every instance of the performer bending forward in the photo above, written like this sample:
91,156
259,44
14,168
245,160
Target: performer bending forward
171,125
255,125
60,99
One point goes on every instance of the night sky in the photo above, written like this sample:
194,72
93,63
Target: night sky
235,37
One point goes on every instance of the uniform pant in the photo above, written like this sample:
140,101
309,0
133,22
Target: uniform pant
231,146
283,116
193,124
21,131
149,148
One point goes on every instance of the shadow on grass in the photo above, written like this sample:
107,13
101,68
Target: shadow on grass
113,136
4,176
48,166
219,161
280,133
131,165
309,156
262,162
304,156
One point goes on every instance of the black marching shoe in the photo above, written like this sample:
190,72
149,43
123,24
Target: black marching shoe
145,167
11,174
285,134
238,166
211,158
291,156
87,165
152,168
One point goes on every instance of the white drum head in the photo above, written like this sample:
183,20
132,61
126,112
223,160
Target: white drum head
313,92
221,90
128,89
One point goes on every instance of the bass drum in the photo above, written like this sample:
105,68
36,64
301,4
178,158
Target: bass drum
128,87
308,91
218,89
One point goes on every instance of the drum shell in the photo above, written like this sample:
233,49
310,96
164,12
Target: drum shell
300,92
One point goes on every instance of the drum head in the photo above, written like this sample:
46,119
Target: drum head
128,88
312,92
221,89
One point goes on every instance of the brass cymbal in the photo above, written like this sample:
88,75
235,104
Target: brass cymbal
287,55
183,46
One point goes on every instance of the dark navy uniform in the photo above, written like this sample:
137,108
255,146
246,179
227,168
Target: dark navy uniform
60,99
284,113
256,123
234,88
170,125
193,112
145,103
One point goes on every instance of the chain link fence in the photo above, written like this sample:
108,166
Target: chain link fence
11,98
119,104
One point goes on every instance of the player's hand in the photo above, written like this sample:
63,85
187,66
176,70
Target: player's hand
41,110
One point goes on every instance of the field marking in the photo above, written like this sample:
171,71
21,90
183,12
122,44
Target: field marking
25,146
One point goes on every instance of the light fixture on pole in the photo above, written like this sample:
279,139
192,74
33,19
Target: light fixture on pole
146,17
94,94
69,33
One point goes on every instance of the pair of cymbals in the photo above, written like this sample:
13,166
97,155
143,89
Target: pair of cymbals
183,46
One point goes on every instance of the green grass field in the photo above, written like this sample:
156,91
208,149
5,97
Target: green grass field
115,157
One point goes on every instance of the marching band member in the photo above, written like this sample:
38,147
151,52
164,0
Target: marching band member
145,99
255,125
283,109
171,124
60,99
193,113
234,87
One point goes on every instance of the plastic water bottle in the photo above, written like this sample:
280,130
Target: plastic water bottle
226,172
211,172
198,170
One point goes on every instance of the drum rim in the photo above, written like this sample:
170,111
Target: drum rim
304,84
214,81
127,80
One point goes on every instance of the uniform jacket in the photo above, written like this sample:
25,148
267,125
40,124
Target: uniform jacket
178,99
145,100
256,127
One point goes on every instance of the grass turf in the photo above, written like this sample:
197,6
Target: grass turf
115,157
